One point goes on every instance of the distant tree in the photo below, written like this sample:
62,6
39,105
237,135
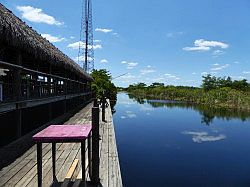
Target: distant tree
102,82
209,82
156,84
140,85
240,85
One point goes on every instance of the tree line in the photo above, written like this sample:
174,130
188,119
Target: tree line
214,91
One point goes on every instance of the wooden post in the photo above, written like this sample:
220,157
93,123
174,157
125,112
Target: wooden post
95,102
83,161
18,94
95,146
103,107
17,78
90,154
49,92
54,161
39,164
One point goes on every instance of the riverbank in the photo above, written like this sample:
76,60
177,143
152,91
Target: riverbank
219,98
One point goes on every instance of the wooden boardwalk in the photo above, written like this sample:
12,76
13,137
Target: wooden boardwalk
23,171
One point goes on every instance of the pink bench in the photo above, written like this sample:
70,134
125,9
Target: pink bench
60,134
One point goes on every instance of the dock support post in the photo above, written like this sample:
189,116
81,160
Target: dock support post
95,146
95,102
90,154
103,107
54,162
83,162
39,164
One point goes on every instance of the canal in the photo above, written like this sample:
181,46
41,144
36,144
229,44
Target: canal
164,143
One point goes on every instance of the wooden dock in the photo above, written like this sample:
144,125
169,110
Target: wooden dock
23,171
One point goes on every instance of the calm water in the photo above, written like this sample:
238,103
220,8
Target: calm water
173,144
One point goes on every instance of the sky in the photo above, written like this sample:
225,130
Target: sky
174,42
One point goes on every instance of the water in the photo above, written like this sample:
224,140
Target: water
175,144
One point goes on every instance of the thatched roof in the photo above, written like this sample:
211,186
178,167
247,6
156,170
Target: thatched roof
16,33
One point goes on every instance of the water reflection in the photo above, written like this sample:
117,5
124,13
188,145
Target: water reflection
200,137
208,113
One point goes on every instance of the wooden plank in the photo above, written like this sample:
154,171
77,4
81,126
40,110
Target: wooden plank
114,165
13,171
72,169
6,169
78,180
66,165
104,154
71,173
48,177
29,176
21,174
46,167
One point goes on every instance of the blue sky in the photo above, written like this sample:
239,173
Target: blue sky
169,41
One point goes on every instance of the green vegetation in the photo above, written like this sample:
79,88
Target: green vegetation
214,92
208,114
102,83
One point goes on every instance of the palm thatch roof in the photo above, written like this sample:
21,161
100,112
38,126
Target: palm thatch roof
16,33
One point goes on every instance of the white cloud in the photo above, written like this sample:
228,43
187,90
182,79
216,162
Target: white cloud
204,73
127,76
71,37
236,62
103,30
174,34
204,45
246,72
199,48
147,70
217,53
200,137
216,64
76,45
194,73
37,15
168,75
130,65
238,77
123,117
170,35
52,39
213,72
97,41
103,61
220,67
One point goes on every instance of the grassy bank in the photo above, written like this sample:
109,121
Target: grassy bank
222,97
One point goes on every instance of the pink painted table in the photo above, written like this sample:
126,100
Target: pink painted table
59,134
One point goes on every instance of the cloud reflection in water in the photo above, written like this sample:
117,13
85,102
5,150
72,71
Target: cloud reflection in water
200,137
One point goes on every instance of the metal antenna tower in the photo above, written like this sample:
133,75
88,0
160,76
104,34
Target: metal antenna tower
86,50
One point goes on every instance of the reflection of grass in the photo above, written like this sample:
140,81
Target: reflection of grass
207,112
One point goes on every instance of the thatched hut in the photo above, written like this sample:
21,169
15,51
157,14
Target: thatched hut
17,36
38,82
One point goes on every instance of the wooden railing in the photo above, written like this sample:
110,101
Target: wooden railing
20,83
